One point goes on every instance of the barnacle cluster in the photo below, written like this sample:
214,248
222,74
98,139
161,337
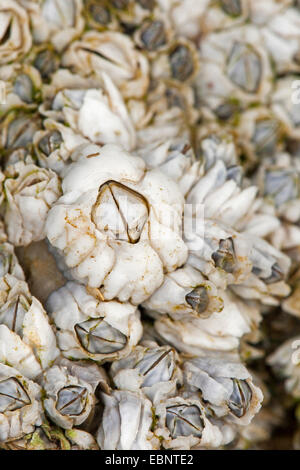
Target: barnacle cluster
149,224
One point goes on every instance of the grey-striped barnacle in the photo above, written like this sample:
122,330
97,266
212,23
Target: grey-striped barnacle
20,405
15,36
185,293
113,53
99,15
45,59
117,226
29,190
267,280
69,393
22,86
48,437
90,328
182,424
226,385
259,133
153,34
179,62
176,159
26,337
152,369
220,332
285,362
235,65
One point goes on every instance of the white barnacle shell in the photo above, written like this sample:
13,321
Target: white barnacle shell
176,159
57,21
226,385
20,406
187,16
89,328
99,115
281,38
285,362
69,395
30,191
185,293
234,64
279,185
152,369
27,339
126,422
113,53
220,332
183,424
117,226
15,36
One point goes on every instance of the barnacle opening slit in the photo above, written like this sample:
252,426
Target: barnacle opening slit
120,211
12,395
98,337
184,420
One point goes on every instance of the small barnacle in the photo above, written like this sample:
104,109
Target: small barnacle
265,136
181,62
184,420
239,400
198,299
98,337
23,87
224,257
153,35
244,67
21,130
12,395
50,142
129,208
71,400
99,12
46,62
